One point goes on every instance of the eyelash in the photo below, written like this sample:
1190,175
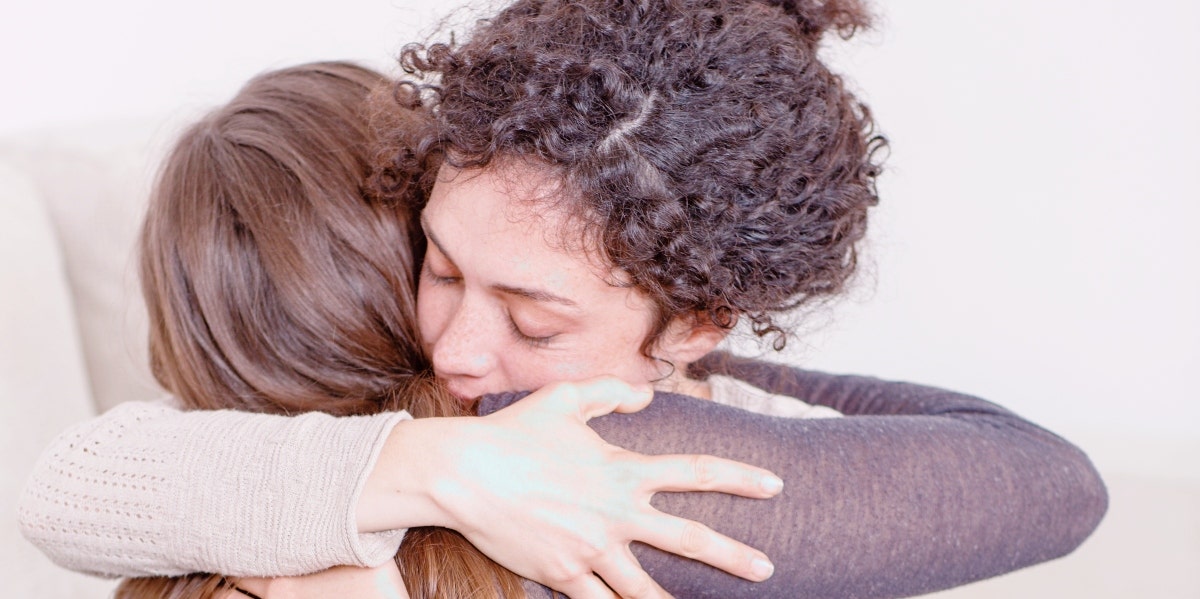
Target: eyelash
536,342
438,280
442,280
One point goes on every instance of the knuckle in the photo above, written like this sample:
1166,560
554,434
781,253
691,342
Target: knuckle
565,572
752,479
560,394
693,540
595,548
705,470
641,588
571,391
591,547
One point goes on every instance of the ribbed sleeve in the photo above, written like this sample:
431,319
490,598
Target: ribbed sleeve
918,489
150,490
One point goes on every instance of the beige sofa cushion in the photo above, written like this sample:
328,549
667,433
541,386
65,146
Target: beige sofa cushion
43,383
93,184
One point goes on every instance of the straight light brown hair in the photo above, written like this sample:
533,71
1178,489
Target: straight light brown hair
275,283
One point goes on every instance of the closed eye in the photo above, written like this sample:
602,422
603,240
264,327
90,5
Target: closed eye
439,279
438,275
530,340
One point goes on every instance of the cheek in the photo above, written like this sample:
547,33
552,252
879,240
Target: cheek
433,309
594,355
572,370
528,369
627,365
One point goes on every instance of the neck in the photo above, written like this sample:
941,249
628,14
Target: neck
678,382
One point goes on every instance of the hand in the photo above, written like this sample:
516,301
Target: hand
540,493
381,582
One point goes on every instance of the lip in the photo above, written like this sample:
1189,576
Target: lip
463,397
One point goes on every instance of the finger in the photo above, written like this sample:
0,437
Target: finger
707,473
625,575
588,587
701,543
597,396
606,394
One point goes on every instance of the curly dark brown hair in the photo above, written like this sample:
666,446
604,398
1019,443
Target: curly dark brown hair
704,146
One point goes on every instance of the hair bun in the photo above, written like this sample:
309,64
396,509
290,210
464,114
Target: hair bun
818,16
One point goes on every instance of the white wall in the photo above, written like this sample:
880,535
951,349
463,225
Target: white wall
1036,238
76,61
1034,242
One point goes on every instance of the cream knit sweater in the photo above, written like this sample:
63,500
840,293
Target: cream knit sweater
265,499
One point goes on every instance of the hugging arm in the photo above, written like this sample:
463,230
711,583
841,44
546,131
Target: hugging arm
919,489
149,490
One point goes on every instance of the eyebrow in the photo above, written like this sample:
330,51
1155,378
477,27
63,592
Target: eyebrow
537,295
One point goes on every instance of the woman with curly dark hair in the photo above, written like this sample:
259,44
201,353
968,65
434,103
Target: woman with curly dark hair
607,188
700,153
611,186
701,148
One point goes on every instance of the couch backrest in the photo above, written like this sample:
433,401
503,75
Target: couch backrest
44,383
92,184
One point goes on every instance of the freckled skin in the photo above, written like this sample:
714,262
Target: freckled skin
484,338
571,370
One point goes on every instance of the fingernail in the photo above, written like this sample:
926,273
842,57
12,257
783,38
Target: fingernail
761,568
771,484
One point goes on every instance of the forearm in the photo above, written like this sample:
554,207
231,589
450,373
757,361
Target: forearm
148,490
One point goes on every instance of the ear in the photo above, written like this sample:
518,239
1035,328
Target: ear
688,338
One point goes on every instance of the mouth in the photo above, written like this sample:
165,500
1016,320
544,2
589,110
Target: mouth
462,397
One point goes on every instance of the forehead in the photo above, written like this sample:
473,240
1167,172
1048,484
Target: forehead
514,217
518,190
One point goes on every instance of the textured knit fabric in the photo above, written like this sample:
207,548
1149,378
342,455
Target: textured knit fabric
149,490
735,393
918,489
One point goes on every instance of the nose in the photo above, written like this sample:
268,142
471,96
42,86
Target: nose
463,354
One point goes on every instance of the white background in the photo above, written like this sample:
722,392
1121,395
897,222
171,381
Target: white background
1035,243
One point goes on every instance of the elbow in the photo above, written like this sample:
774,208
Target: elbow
38,519
1073,500
47,516
1088,498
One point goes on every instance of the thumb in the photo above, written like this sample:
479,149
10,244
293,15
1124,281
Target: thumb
601,395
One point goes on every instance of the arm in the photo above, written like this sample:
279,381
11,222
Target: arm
825,462
535,489
922,489
148,490
233,492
